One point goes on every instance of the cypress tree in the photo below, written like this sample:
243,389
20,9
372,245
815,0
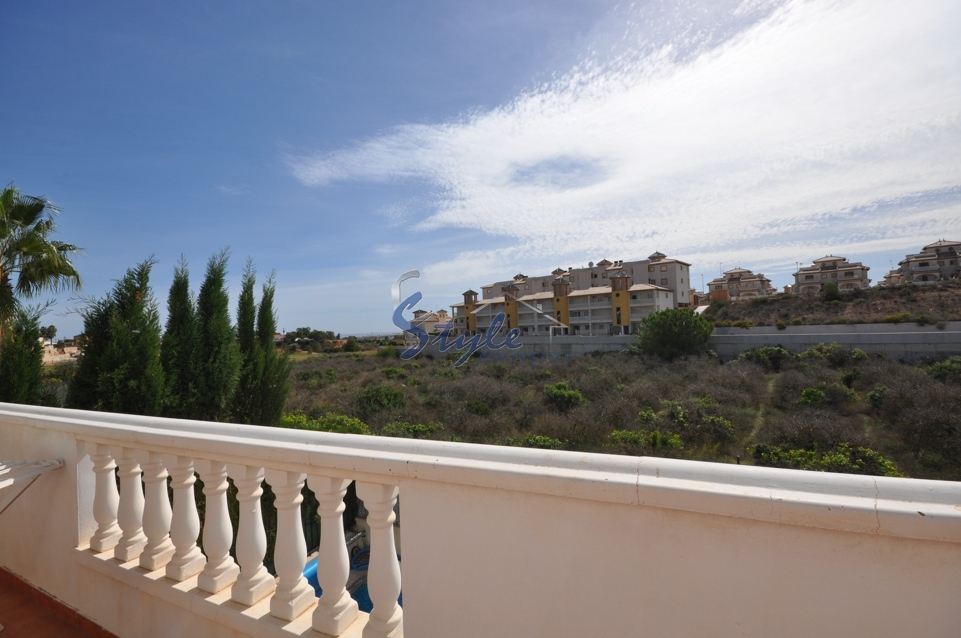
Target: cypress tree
21,359
247,399
83,393
275,380
179,349
219,355
120,368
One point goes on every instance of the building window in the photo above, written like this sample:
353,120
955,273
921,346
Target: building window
923,264
653,282
633,296
663,268
849,274
834,275
682,280
809,276
663,281
650,295
650,269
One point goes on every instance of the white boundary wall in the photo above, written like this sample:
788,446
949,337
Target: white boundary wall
516,542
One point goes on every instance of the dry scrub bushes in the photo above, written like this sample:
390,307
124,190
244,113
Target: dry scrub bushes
802,407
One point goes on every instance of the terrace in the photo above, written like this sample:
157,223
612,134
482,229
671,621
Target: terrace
497,541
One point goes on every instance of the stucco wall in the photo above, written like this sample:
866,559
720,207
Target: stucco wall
483,562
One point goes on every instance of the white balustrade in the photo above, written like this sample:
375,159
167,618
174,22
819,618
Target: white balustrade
105,499
156,514
294,594
336,610
254,582
130,516
383,574
220,571
187,560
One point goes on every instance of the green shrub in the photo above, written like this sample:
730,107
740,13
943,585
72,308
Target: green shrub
646,415
833,353
495,370
948,370
651,440
394,373
380,397
781,325
519,378
388,352
541,442
411,430
561,397
811,396
876,396
842,459
849,377
797,321
479,408
899,317
670,334
768,357
743,323
830,292
447,373
329,422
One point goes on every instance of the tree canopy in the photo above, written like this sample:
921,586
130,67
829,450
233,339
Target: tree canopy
31,262
670,334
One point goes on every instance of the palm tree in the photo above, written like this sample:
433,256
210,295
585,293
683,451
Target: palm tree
31,262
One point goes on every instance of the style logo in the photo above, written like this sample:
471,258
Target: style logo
442,340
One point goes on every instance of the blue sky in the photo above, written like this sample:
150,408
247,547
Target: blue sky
342,145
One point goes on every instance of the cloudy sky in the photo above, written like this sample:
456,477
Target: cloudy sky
342,145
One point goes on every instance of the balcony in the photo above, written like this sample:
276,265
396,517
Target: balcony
497,541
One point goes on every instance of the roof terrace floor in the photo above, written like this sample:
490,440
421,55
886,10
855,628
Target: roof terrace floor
23,615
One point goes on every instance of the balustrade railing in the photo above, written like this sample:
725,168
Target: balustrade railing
138,523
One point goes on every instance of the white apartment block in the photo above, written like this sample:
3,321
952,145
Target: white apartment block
831,270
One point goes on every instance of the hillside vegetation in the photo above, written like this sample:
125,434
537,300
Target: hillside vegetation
925,304
827,409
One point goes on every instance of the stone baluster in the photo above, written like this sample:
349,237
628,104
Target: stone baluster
336,610
156,514
105,499
130,517
220,571
187,559
294,594
254,582
383,576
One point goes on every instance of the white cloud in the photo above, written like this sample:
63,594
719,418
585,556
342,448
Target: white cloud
780,131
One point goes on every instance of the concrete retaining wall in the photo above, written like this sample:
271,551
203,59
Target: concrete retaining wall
908,342
905,341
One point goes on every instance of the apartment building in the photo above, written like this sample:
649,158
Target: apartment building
740,283
935,262
657,270
831,270
615,307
